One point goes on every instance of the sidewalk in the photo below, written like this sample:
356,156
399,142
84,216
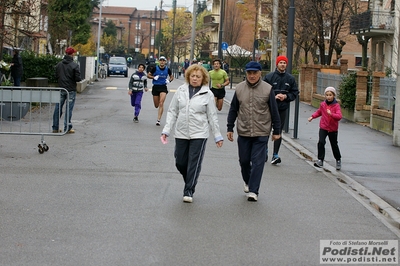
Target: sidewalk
370,162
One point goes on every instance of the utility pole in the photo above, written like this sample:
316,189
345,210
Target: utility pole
193,30
173,31
98,42
221,28
151,21
274,49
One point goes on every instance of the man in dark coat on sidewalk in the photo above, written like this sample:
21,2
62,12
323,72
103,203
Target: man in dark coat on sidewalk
285,89
16,68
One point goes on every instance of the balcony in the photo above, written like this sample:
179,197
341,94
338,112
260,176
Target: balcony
372,23
211,20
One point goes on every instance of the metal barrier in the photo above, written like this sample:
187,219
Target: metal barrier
30,110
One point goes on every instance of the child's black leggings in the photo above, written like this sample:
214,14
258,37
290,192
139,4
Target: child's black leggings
333,136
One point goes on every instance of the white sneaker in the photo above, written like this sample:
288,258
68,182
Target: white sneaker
246,188
252,196
187,199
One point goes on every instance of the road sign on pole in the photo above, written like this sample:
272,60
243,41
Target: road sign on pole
224,46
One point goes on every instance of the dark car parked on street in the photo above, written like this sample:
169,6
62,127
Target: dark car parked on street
117,66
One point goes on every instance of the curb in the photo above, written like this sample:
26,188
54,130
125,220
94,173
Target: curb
374,201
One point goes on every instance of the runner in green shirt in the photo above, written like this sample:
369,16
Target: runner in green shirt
219,79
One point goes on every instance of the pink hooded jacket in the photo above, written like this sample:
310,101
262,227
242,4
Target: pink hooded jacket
329,122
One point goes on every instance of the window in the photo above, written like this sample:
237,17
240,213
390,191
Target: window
358,61
137,40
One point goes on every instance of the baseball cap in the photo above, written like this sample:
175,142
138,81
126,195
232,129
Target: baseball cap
163,58
253,66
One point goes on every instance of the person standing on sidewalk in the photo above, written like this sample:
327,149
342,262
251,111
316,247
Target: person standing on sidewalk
67,74
16,68
161,76
285,89
330,113
219,79
192,114
137,83
256,111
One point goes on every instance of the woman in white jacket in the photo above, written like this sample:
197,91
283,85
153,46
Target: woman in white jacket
192,114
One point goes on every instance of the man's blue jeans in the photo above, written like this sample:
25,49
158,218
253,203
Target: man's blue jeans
59,109
17,81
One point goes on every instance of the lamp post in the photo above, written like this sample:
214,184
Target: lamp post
173,31
151,21
137,39
193,30
289,67
255,41
155,30
129,34
221,28
98,42
160,32
274,50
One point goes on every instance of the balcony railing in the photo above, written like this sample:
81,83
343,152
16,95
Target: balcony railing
371,20
211,20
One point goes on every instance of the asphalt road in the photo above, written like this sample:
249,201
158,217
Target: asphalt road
110,195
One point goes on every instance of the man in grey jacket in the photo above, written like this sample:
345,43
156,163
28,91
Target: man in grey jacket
255,108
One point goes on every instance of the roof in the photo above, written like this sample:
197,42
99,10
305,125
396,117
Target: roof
116,10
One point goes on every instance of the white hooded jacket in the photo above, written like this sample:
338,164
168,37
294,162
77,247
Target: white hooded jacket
193,118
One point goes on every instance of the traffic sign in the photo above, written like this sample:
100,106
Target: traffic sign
224,46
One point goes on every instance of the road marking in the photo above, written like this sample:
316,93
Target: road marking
119,88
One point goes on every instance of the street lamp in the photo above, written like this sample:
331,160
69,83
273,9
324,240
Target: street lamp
193,30
290,38
160,31
155,30
98,42
255,41
173,30
150,35
221,25
129,34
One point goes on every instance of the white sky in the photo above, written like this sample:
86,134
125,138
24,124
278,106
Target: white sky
148,4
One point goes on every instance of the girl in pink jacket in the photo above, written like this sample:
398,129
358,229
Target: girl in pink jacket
330,113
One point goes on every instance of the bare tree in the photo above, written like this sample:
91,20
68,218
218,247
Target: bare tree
319,25
233,24
18,20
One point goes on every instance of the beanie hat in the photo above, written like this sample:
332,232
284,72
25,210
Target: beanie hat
331,89
70,51
281,58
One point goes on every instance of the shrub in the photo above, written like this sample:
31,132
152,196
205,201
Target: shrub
37,65
347,91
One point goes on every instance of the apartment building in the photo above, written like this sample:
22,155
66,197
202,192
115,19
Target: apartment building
136,29
24,25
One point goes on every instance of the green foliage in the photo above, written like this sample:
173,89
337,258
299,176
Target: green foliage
388,71
7,83
110,29
347,91
39,66
68,20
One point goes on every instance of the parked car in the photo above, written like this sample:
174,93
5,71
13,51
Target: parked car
117,66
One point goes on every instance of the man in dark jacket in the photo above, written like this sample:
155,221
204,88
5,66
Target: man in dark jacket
285,89
16,68
67,74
